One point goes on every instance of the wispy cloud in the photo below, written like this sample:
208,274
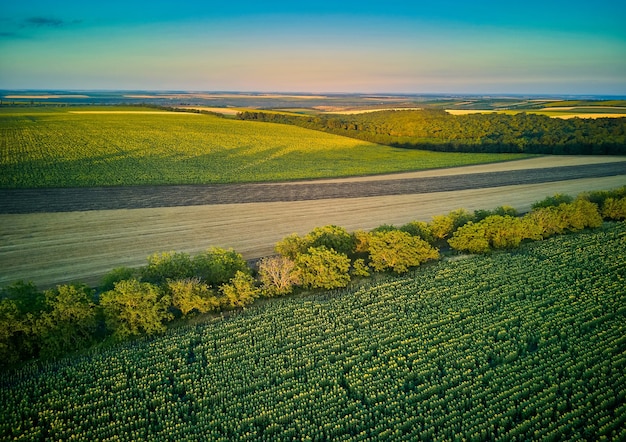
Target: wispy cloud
47,22
43,22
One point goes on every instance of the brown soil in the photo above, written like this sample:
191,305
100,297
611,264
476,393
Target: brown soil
84,244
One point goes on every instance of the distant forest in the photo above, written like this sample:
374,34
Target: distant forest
433,129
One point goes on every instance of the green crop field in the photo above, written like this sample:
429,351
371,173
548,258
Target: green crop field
523,345
77,147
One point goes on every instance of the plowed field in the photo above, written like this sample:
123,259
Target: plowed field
82,235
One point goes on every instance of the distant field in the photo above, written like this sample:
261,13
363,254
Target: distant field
555,112
59,147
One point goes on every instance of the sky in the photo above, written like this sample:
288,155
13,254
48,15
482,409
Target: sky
454,47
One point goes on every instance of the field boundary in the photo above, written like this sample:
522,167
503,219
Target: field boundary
14,201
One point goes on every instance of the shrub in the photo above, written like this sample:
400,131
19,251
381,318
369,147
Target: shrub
119,274
419,229
493,232
277,275
217,266
69,321
397,251
552,201
134,308
614,208
325,268
442,226
167,265
190,295
240,291
331,237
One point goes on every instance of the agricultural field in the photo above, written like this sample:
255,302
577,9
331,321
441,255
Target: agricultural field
53,248
525,345
85,147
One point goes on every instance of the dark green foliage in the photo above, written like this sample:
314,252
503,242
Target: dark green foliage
116,275
419,229
332,237
167,265
69,321
26,296
599,196
135,308
491,132
217,266
502,211
552,201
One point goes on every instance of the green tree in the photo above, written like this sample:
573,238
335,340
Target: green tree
614,208
398,251
419,229
552,201
69,322
191,294
118,274
331,237
135,308
325,268
14,332
167,265
21,304
216,266
442,226
493,232
291,246
240,291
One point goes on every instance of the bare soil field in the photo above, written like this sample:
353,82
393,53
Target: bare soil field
56,247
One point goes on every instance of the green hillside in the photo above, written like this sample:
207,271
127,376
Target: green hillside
67,147
524,345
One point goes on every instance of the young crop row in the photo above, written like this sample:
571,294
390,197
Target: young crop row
63,149
526,345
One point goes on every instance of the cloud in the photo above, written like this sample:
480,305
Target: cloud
43,21
47,22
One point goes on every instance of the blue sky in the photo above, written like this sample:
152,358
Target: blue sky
530,47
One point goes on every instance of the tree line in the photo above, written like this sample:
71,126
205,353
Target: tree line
133,302
434,129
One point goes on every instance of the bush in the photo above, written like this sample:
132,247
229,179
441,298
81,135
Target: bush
116,275
397,251
240,291
613,208
552,201
167,265
442,226
331,237
493,232
321,267
277,275
419,229
69,322
135,308
218,266
190,295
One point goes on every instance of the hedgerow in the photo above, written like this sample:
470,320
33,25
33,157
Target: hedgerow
137,302
526,345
